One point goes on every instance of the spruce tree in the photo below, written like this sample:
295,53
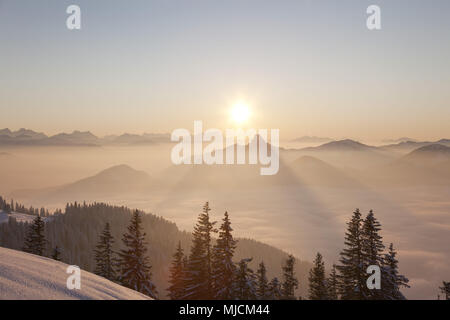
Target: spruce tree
198,282
290,282
332,285
134,262
35,242
56,254
245,281
445,289
317,281
223,268
391,279
104,255
176,280
275,289
351,270
372,251
262,290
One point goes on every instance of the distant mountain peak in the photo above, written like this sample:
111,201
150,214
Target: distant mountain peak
312,139
431,154
399,140
345,144
5,131
432,148
119,170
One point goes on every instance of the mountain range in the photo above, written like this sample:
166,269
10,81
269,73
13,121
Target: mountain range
426,165
311,139
26,137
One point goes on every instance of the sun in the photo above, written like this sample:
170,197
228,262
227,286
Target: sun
240,112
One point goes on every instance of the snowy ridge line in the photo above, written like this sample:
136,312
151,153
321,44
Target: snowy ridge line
25,276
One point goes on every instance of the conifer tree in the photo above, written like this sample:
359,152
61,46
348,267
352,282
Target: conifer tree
262,290
372,251
391,279
35,242
445,289
245,282
134,262
290,282
223,268
104,255
332,284
317,281
351,270
56,254
275,289
176,280
198,282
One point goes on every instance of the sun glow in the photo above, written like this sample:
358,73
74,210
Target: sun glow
240,113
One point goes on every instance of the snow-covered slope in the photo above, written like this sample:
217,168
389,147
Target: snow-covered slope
20,217
27,276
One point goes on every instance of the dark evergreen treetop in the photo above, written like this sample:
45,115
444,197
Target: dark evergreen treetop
317,281
275,289
445,289
391,280
351,270
199,283
372,250
332,284
134,262
35,242
104,255
290,282
176,280
262,290
245,282
223,268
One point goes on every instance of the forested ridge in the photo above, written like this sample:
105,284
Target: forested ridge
149,254
75,230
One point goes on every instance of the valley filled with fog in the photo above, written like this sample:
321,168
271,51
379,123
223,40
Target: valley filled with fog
302,209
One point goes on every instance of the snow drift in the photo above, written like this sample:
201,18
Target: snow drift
31,277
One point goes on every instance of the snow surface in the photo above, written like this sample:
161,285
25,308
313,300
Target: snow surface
20,217
26,276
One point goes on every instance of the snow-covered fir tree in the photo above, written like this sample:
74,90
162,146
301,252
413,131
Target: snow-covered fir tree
35,241
198,281
105,262
275,289
317,281
244,281
391,280
372,251
176,280
262,289
351,270
223,268
134,263
290,282
332,284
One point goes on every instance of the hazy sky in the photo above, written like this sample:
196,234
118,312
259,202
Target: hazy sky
306,67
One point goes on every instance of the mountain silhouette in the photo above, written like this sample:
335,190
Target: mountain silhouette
341,145
115,181
429,155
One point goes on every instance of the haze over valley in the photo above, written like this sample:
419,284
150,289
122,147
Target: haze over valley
302,209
